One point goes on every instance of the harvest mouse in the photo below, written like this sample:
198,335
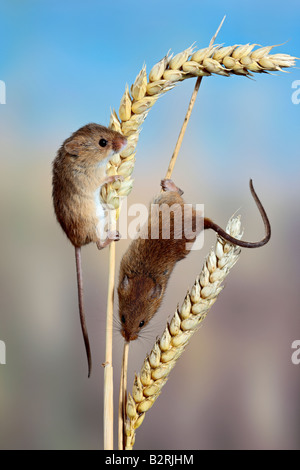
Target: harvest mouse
148,262
79,171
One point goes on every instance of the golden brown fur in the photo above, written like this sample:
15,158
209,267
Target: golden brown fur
78,172
148,263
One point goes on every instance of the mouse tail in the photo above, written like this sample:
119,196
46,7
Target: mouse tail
81,310
209,224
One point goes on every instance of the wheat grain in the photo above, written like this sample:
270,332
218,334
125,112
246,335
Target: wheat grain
168,348
136,103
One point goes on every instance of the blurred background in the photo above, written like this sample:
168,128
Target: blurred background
67,63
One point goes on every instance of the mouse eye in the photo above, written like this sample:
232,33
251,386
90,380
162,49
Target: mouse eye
103,142
142,323
123,319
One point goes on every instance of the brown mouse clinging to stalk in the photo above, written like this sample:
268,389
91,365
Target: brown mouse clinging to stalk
79,172
148,262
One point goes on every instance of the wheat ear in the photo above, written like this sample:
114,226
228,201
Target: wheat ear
136,103
184,323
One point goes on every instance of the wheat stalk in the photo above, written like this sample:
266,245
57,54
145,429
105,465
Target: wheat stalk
108,434
168,72
123,396
185,322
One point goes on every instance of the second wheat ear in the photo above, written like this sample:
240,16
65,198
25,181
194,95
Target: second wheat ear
187,319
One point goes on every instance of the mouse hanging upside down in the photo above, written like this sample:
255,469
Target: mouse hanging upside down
148,262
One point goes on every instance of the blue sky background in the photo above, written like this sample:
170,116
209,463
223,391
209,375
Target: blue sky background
66,63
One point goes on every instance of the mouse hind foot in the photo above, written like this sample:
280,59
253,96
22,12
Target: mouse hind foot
169,185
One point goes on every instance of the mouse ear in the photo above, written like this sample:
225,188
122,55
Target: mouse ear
125,282
73,147
156,291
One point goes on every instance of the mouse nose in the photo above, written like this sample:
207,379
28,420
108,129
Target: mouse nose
125,335
119,143
128,337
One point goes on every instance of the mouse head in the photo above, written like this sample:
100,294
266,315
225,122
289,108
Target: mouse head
93,143
139,299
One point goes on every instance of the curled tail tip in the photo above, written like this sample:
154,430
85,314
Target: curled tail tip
263,214
253,192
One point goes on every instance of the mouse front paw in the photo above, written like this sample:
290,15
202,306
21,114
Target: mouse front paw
113,178
114,235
